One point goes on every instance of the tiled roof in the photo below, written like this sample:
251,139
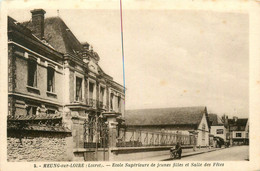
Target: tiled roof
190,116
39,127
238,125
35,117
214,120
58,35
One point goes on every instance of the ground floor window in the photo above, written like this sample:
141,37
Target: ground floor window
31,110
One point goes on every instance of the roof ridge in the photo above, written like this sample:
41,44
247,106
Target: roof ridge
169,108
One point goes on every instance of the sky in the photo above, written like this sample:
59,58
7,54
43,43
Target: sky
173,58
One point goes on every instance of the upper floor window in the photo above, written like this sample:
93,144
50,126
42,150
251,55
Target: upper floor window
238,135
220,131
91,90
119,103
50,79
32,73
203,131
78,89
102,94
111,101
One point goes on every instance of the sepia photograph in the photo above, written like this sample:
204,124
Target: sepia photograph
180,94
132,86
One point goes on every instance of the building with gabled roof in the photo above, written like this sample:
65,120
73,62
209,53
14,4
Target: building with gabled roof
180,119
217,129
238,129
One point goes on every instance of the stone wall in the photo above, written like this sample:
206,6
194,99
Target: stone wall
37,146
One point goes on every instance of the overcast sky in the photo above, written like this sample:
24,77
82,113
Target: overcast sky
173,58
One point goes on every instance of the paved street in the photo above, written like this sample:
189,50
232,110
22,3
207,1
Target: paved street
227,154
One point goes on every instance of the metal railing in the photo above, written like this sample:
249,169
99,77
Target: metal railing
137,138
91,102
101,105
95,103
95,133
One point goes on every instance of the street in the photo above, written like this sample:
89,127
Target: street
228,154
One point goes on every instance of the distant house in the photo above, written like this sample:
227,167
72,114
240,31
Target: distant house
217,127
239,131
217,130
183,120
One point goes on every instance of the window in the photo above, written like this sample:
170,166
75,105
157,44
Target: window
91,90
119,103
50,111
111,101
220,131
50,79
238,135
32,73
102,94
203,131
78,89
31,110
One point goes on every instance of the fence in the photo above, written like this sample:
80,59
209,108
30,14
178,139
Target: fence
137,138
95,133
94,103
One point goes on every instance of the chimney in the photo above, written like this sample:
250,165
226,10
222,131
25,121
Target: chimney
85,46
235,118
38,23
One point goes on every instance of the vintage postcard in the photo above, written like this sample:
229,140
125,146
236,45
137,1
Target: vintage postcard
130,85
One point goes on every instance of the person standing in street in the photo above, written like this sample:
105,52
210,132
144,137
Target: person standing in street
178,149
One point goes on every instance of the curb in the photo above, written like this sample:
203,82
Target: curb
188,155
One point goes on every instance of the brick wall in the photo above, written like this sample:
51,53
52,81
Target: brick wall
36,146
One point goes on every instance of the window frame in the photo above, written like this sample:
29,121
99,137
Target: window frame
33,83
80,97
221,130
238,133
203,128
53,79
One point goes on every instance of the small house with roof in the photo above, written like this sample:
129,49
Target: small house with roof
218,135
184,120
217,127
239,131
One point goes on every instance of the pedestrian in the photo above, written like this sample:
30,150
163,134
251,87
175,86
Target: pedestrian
178,149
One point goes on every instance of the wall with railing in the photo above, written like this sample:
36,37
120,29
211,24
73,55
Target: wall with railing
141,138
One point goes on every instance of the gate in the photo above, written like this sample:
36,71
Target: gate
95,139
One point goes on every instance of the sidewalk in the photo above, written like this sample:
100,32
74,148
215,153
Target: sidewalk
185,153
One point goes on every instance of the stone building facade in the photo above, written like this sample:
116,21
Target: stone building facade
56,85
